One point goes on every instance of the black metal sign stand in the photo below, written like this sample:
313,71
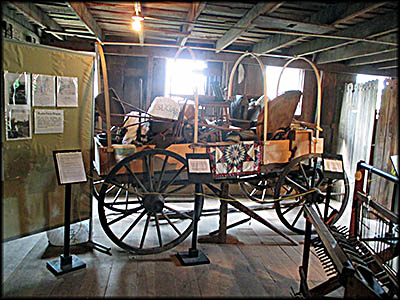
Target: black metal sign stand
66,263
69,169
194,256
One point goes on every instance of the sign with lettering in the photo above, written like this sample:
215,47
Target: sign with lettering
164,107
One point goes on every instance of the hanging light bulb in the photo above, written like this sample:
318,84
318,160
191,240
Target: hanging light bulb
137,23
137,19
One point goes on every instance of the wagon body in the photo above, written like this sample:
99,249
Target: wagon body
143,185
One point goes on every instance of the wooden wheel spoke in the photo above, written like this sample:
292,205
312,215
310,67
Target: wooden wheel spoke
172,179
320,181
318,211
158,230
132,225
117,195
146,226
171,193
124,215
295,183
305,175
171,224
291,206
110,189
297,216
136,178
263,194
178,212
115,184
148,170
162,173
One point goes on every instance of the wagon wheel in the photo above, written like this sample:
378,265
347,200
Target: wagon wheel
139,208
259,189
298,182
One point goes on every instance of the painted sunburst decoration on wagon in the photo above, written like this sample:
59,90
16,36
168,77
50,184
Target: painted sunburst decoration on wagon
237,159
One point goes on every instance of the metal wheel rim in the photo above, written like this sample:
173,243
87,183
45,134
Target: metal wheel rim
296,206
138,213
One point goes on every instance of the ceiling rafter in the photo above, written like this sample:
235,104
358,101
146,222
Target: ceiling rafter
366,29
37,16
329,15
194,12
354,51
367,60
88,20
246,21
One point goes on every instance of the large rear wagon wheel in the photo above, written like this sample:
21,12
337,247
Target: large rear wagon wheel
302,177
139,206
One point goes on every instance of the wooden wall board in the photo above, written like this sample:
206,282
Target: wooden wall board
386,143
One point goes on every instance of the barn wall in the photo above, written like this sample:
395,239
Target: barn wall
386,143
332,95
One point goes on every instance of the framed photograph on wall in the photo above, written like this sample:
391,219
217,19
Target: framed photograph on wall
18,122
17,88
17,104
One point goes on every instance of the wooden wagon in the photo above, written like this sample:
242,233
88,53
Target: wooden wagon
161,189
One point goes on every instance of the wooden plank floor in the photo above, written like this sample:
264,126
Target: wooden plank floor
262,264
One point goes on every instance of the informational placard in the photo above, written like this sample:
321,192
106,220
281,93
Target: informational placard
332,165
67,91
69,166
48,121
199,167
43,90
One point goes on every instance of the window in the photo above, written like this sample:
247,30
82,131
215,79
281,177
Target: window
291,79
183,75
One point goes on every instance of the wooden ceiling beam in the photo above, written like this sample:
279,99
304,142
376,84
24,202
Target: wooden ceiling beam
375,59
245,22
37,16
289,24
366,29
355,51
329,15
194,12
88,20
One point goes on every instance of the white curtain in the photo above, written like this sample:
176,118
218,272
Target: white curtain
356,125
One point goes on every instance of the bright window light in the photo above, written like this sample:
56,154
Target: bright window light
183,76
291,79
363,78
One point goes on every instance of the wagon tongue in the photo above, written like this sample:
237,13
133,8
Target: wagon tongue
154,203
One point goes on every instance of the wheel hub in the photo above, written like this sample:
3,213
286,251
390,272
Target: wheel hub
319,196
154,203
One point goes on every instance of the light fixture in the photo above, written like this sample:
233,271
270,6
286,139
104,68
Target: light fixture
136,18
